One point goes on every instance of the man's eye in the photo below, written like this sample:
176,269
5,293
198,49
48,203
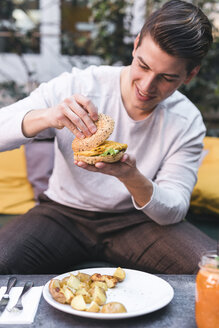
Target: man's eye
144,67
168,80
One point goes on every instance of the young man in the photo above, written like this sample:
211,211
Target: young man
129,213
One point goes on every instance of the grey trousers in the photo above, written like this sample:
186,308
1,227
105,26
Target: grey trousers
52,238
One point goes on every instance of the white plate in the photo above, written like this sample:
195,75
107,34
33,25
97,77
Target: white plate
140,292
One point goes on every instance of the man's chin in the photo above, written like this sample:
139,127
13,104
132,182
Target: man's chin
147,107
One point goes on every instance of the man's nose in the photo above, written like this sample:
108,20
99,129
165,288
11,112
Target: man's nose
148,83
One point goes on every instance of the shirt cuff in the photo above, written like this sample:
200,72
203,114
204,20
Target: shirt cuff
148,203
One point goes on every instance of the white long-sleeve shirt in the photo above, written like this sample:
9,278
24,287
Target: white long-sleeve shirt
167,146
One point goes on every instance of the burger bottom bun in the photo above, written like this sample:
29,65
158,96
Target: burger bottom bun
94,159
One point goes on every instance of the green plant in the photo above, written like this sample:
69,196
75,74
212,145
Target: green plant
17,40
203,90
10,92
111,38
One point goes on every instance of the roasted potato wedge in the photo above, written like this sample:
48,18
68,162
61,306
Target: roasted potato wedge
94,307
85,294
109,280
68,295
113,307
83,277
73,282
119,274
78,303
98,295
56,291
101,284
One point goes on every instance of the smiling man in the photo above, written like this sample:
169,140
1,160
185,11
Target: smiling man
153,76
130,213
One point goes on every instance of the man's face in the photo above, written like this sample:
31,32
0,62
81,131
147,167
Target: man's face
154,76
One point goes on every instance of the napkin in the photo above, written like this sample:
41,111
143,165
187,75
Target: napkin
30,303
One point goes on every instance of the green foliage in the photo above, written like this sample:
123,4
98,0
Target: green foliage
111,38
18,41
203,90
151,5
10,92
6,9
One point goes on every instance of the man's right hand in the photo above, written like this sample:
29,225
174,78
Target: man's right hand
77,113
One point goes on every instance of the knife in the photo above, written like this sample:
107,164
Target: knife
5,299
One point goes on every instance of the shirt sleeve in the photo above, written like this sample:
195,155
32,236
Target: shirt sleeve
176,178
11,117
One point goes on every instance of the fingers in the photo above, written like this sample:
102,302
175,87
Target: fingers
124,158
81,113
81,164
73,122
116,169
129,160
100,165
87,105
91,167
68,124
86,166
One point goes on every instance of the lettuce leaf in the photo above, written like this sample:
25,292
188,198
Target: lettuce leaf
110,151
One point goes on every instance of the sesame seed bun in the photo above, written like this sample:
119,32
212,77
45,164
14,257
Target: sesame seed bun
105,126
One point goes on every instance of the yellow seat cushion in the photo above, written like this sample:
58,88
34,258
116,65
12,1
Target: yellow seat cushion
205,196
16,193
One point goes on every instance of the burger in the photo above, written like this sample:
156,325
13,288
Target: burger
97,148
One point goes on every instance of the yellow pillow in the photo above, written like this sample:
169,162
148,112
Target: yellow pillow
16,193
205,196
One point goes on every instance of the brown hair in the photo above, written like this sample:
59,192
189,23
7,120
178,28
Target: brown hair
180,29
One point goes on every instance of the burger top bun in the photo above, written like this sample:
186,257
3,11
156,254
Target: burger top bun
105,126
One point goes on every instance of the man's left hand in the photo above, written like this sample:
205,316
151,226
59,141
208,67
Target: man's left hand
121,169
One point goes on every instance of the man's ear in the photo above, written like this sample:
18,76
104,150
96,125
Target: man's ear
135,44
192,74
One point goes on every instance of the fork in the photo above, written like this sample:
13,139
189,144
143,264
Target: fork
19,306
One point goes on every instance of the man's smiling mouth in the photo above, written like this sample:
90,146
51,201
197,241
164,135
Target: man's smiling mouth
142,96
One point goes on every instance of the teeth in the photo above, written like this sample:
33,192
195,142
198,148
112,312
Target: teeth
142,94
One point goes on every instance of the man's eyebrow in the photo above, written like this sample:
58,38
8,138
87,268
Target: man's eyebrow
166,74
142,61
171,75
